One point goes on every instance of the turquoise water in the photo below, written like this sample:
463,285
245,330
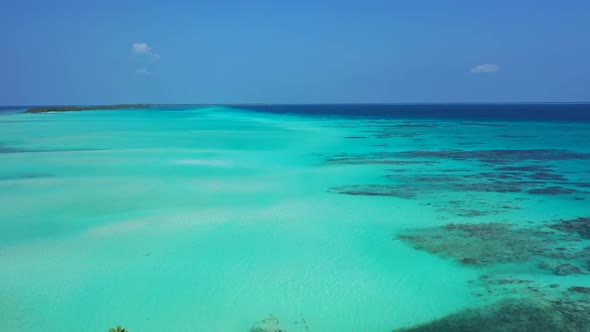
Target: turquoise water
214,219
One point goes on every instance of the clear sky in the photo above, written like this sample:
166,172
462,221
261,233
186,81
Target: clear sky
127,51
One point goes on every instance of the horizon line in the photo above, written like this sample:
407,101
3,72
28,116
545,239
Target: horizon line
323,103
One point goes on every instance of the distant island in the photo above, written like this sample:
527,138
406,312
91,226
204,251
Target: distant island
47,109
85,108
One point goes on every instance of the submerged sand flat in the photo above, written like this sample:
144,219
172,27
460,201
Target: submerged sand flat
222,219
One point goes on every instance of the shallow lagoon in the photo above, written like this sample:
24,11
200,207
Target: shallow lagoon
217,218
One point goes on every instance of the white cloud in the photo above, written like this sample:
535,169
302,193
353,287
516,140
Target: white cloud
141,48
487,68
145,58
143,72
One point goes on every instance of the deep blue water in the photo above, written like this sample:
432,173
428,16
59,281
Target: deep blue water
495,112
560,112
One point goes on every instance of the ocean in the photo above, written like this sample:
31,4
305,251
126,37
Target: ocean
267,218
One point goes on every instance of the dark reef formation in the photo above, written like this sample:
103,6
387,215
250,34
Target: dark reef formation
477,244
485,156
514,315
85,108
496,156
376,190
270,324
343,160
530,172
579,289
560,248
12,149
556,247
22,176
552,191
579,226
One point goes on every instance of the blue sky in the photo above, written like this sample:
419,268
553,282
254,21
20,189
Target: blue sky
82,52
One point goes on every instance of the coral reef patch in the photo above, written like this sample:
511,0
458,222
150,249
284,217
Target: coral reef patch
554,247
270,324
514,315
579,226
376,190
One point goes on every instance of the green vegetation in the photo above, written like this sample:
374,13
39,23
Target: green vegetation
118,329
85,108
